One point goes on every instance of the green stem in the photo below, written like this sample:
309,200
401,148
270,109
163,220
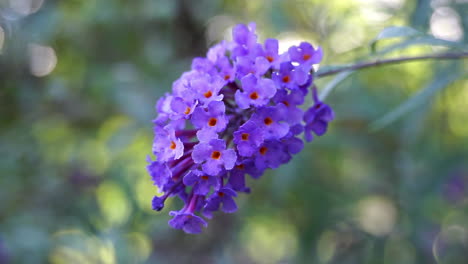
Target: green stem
363,65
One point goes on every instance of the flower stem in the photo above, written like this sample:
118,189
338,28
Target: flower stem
363,65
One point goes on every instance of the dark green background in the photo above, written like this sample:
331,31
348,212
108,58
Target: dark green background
73,143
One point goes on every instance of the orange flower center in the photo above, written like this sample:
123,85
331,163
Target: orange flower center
227,77
212,122
240,166
208,94
187,110
204,177
270,58
286,103
268,121
286,79
306,56
263,150
220,194
254,96
216,155
173,145
245,136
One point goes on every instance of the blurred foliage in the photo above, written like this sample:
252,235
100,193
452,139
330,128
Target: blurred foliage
78,83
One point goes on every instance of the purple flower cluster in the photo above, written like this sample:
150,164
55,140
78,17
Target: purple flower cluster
235,113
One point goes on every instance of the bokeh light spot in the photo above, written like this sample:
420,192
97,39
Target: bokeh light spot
445,24
217,28
326,246
288,39
2,39
376,215
113,203
346,38
140,245
269,240
451,245
144,192
26,7
42,60
75,246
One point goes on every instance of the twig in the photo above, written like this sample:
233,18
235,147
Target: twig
363,65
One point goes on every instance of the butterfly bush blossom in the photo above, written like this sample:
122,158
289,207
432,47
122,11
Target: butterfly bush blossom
236,112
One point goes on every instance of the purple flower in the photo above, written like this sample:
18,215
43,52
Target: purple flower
225,70
291,101
223,196
166,146
212,117
271,155
186,221
159,172
317,118
235,113
158,203
208,89
293,145
244,38
237,175
271,120
217,52
296,129
256,92
217,55
290,77
248,138
237,179
163,107
181,108
183,86
203,65
201,181
214,156
305,55
258,66
270,53
205,135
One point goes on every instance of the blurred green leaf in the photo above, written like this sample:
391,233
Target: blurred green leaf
394,32
411,37
422,40
440,81
333,83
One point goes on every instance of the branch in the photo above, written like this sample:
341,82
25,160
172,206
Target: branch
363,65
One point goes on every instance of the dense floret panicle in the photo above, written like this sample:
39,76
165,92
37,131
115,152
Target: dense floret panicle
236,112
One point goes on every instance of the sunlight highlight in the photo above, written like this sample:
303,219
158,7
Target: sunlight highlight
377,215
42,60
26,7
445,24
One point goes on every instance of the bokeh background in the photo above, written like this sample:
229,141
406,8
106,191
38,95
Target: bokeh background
78,84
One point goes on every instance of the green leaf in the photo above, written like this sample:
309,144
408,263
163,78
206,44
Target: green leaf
422,40
441,80
333,83
394,32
